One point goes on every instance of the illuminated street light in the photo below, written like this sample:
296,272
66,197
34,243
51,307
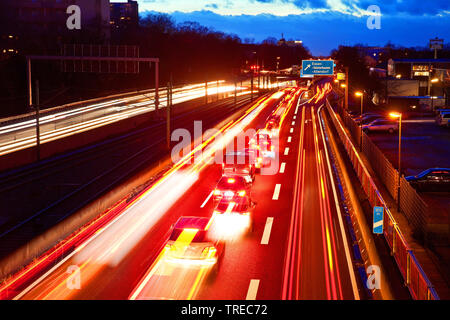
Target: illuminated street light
397,115
434,80
399,76
343,85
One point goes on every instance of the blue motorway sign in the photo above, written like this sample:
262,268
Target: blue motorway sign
317,67
378,213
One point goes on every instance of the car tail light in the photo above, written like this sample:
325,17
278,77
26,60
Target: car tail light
241,193
217,192
231,180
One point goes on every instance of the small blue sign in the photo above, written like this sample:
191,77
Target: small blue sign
317,67
378,213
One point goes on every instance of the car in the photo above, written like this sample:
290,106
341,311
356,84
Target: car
190,243
357,115
237,205
241,163
230,187
273,124
262,144
431,180
381,124
443,118
236,214
367,118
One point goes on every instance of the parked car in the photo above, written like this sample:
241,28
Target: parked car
431,180
443,118
368,119
366,114
381,124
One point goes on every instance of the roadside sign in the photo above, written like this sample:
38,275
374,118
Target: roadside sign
317,67
378,213
340,76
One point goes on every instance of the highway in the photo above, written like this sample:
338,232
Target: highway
19,135
297,250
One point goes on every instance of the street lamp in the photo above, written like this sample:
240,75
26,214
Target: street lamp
360,94
397,115
434,80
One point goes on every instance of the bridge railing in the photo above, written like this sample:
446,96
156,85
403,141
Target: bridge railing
415,278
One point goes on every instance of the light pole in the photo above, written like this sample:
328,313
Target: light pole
434,80
398,116
360,94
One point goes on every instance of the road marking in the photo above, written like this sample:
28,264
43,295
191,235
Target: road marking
283,167
295,117
338,207
292,130
207,199
276,192
289,139
293,123
286,151
267,230
252,289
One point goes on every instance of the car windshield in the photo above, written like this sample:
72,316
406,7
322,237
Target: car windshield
200,236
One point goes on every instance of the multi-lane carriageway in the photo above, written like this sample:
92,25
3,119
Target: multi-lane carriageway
297,250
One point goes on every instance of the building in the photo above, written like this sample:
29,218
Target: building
124,15
40,26
424,79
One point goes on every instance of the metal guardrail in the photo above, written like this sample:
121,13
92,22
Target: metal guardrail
415,278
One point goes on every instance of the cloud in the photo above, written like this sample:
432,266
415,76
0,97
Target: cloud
323,31
286,7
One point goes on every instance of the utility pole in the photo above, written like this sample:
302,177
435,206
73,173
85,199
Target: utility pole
235,92
346,88
169,107
38,133
206,90
217,90
251,87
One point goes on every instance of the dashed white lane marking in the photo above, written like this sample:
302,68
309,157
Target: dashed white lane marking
252,289
293,123
267,230
276,192
295,117
286,151
282,167
292,130
207,199
289,139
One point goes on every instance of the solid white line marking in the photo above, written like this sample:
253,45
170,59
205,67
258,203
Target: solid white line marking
252,289
207,199
292,130
267,230
276,192
289,139
341,224
286,151
283,167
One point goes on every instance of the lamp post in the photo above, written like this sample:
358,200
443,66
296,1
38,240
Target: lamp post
434,80
361,95
398,116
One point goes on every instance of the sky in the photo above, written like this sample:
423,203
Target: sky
322,25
